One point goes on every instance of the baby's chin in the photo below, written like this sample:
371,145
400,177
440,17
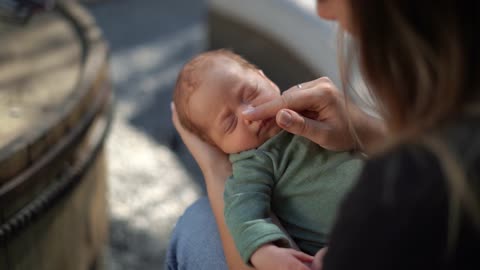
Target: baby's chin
272,131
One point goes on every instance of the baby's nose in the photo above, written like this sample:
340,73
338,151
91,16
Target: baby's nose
247,122
253,125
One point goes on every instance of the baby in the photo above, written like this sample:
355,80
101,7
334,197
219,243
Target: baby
273,171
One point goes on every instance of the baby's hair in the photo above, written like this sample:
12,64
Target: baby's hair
189,80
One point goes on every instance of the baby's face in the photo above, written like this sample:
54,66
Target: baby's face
216,106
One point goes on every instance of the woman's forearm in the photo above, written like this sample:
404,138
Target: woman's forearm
215,187
216,168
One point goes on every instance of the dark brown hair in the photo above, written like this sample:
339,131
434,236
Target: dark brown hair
420,58
190,78
421,61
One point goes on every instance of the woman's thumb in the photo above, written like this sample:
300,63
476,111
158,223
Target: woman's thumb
318,259
285,119
297,124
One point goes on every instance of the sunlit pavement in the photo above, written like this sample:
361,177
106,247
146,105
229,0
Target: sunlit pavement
152,177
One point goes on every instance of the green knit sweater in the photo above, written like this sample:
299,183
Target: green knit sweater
299,181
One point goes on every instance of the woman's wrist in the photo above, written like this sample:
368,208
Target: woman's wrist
219,172
371,132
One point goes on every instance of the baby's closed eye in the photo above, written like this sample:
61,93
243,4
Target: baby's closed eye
230,123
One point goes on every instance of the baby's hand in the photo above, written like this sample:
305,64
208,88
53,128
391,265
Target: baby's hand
270,257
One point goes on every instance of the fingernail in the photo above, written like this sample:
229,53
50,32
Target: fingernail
248,110
285,118
172,106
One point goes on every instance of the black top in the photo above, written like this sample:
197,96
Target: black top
397,216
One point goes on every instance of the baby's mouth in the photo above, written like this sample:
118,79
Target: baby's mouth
264,125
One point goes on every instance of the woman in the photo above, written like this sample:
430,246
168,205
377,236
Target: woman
416,204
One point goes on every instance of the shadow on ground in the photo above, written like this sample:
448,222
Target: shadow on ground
152,176
150,40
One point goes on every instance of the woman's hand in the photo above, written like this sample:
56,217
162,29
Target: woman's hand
317,263
319,112
270,256
209,158
216,168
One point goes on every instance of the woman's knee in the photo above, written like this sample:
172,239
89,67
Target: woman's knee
195,242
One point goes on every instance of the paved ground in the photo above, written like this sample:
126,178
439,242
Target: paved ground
152,177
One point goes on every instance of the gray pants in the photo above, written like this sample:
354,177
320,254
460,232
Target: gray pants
195,242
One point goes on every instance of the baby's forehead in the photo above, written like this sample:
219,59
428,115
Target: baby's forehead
230,66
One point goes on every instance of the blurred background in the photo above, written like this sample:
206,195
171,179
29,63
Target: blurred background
151,176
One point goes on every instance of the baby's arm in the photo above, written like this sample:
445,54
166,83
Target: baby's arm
277,222
247,204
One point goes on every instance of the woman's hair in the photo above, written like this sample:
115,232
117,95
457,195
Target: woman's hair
421,61
420,58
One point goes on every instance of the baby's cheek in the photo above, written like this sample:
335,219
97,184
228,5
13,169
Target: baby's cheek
254,142
247,143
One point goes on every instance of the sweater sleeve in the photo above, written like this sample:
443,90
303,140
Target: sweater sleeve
247,204
395,217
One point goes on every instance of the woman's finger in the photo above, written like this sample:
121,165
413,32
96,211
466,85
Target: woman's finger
309,84
178,126
270,109
192,141
318,259
175,120
297,124
207,156
295,100
303,257
264,111
311,99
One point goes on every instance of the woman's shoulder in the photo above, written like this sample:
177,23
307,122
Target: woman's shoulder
430,162
400,207
402,177
404,159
